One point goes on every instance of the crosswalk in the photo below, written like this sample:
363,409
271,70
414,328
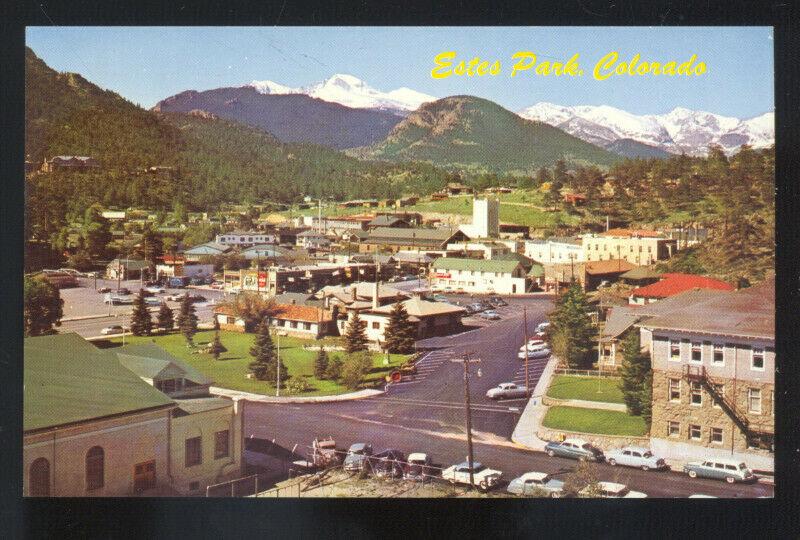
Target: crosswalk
426,365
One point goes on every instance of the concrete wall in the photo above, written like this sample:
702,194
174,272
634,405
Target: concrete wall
126,441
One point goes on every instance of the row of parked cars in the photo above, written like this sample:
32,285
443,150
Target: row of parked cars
632,456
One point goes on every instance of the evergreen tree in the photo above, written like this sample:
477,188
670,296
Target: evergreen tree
265,363
334,369
400,332
321,364
355,335
141,322
43,307
542,177
634,372
560,177
165,317
216,348
187,320
355,369
571,332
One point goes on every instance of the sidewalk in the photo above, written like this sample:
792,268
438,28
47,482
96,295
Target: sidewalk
260,398
531,418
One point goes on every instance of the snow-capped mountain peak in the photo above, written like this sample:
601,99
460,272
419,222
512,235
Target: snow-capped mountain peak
680,130
353,92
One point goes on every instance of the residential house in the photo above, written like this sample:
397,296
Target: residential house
483,249
312,240
265,252
429,318
209,249
714,377
672,284
479,276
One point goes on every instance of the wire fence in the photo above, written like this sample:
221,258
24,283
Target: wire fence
587,372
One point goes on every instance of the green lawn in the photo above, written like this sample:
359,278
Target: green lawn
586,388
594,421
230,370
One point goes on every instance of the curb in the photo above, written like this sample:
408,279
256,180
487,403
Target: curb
87,317
259,398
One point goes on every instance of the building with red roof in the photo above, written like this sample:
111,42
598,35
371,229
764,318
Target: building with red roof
675,283
296,320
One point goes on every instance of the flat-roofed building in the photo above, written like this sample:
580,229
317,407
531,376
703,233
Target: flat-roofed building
639,247
480,276
555,250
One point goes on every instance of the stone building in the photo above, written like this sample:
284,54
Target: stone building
714,377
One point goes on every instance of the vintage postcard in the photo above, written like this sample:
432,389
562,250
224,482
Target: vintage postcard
487,262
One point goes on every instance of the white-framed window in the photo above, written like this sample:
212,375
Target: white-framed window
716,436
674,390
695,432
674,350
754,400
673,428
697,352
718,357
696,393
757,359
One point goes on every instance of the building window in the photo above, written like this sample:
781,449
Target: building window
696,394
716,435
673,428
376,325
674,350
694,432
221,444
754,400
757,359
719,354
674,389
697,351
194,451
39,478
307,326
293,324
95,468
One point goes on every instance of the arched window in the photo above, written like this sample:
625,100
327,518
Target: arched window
39,479
95,468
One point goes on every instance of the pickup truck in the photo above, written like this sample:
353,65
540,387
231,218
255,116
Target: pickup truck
483,477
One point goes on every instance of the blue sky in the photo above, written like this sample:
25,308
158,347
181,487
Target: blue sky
146,64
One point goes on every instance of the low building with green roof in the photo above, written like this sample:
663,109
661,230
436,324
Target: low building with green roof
479,276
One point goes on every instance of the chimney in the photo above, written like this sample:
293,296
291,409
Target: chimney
375,303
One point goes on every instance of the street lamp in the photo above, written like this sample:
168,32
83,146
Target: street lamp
466,361
278,383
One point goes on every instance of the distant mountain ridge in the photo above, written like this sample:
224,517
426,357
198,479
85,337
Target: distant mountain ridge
679,131
291,117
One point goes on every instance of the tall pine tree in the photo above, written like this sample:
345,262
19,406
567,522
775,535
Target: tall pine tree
400,332
265,363
571,332
355,335
141,322
187,320
635,373
216,348
321,364
165,318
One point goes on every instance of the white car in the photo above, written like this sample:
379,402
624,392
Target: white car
533,482
542,327
155,289
483,477
634,456
507,390
537,350
176,297
612,490
108,330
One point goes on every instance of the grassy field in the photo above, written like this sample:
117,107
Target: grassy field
586,388
230,370
594,421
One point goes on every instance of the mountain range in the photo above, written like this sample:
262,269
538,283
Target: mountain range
679,131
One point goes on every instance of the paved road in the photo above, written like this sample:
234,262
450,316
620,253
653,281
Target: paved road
427,413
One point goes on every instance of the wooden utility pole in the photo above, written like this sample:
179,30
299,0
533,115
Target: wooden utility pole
466,360
525,331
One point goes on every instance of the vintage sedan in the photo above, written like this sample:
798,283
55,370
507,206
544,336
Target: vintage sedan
357,455
720,469
507,390
420,467
612,490
536,350
633,456
483,477
532,483
574,449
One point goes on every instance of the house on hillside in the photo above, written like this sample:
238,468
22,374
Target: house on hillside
70,163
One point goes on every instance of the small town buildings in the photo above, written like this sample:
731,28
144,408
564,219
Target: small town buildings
640,276
392,239
589,275
126,269
288,235
303,279
70,163
457,188
639,247
430,319
209,249
388,221
245,238
179,267
114,215
714,377
485,219
514,230
479,276
303,321
482,249
555,250
164,372
265,252
312,240
672,284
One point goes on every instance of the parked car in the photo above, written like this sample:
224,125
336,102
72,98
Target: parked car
153,301
388,464
490,315
155,289
476,307
634,456
196,298
533,482
104,290
70,271
496,301
541,327
613,490
217,284
178,297
539,350
439,298
507,390
729,470
574,449
117,300
124,290
356,457
108,330
91,274
419,467
324,452
483,477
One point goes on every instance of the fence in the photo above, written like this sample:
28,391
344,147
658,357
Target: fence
238,487
587,372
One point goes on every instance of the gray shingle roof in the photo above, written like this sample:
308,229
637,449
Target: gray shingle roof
477,265
148,360
411,236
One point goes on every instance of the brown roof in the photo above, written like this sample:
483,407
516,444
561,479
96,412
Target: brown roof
293,312
608,267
